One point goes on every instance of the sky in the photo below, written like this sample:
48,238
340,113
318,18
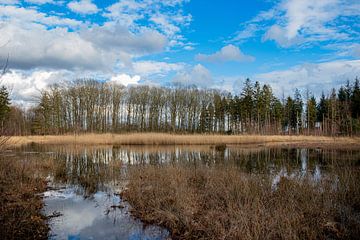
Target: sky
305,44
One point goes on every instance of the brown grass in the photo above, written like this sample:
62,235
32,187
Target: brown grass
20,203
225,203
177,139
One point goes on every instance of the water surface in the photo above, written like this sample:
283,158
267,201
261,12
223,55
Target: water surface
85,182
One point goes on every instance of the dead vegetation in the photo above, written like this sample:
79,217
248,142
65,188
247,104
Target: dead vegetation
20,202
178,139
224,203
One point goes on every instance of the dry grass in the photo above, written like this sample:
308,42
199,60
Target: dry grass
177,139
225,203
20,204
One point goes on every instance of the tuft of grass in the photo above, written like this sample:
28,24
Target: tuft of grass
224,203
20,201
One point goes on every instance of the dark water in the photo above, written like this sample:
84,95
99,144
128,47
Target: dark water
85,182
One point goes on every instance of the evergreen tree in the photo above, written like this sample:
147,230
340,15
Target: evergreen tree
322,108
247,104
311,112
344,95
355,100
4,105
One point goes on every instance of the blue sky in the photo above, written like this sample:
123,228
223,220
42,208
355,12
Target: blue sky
289,44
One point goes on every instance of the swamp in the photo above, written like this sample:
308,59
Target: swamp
183,192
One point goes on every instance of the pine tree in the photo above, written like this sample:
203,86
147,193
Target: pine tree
4,106
355,100
247,106
311,113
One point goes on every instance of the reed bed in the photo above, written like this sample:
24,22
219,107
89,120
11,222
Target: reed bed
20,202
178,139
224,203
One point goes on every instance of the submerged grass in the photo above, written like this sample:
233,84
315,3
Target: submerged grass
186,139
20,202
224,203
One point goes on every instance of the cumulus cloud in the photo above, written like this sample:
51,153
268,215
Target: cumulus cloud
315,77
226,54
56,48
58,42
147,68
199,76
83,7
25,87
124,79
114,37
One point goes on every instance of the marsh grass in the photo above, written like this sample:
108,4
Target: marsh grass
20,202
178,139
225,203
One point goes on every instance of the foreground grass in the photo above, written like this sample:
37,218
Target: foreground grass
225,203
177,139
20,204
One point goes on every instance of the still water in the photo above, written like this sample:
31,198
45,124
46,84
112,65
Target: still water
84,182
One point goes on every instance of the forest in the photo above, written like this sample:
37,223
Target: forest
88,105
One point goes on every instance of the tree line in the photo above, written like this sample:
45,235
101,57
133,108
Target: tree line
93,106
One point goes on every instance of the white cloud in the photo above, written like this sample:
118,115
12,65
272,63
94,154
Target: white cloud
9,1
315,77
227,53
39,2
304,22
124,79
189,48
25,87
356,50
199,76
278,34
147,68
59,42
166,17
114,37
345,49
56,48
306,19
27,16
83,7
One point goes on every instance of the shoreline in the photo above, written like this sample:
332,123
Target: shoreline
187,139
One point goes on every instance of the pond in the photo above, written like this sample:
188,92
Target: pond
84,183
